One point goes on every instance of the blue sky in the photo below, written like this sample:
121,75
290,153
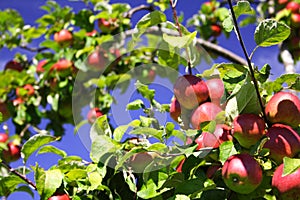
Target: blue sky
71,143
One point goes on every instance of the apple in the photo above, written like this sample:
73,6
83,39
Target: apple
3,137
289,185
282,2
107,25
284,107
60,197
13,152
97,60
63,37
93,114
221,134
293,6
283,141
4,111
216,90
18,101
139,161
151,75
242,173
62,65
295,19
28,87
190,91
216,30
248,129
92,33
205,112
179,166
175,110
13,65
40,66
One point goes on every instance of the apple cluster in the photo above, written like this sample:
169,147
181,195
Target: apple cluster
12,151
197,101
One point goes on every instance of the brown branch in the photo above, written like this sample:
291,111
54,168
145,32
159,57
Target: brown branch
138,8
18,174
33,49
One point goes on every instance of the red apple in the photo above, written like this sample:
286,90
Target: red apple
92,33
62,65
242,173
4,111
107,25
190,91
93,114
248,129
13,65
97,60
3,137
205,112
284,107
289,185
18,101
295,20
175,110
282,1
40,67
63,37
216,90
13,152
216,30
179,167
60,197
151,75
284,141
28,87
293,6
139,161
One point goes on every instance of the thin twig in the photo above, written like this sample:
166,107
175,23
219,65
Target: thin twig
33,49
138,8
18,174
247,59
173,6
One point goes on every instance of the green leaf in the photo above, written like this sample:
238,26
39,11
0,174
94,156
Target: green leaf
76,174
151,19
34,143
190,186
8,184
53,179
270,32
290,165
243,8
145,91
227,149
147,131
135,105
263,75
101,146
180,42
52,149
100,127
95,180
291,80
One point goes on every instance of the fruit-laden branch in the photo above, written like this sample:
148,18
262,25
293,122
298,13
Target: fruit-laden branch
12,170
208,46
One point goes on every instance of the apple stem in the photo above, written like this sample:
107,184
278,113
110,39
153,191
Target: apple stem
173,6
239,36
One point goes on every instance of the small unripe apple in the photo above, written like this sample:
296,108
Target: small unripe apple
205,112
60,197
248,129
284,107
63,37
3,137
242,173
4,111
293,6
13,152
289,185
216,90
13,65
139,161
40,66
190,91
107,25
93,114
28,87
216,30
175,109
283,142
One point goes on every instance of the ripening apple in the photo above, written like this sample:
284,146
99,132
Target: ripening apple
248,129
216,30
107,25
293,6
284,107
3,137
61,196
295,20
175,109
92,33
190,91
64,67
13,152
4,111
289,185
28,88
205,112
63,37
242,173
93,114
179,166
97,60
13,65
139,161
283,142
216,90
40,66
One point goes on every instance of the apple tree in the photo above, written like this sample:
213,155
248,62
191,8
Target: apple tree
165,110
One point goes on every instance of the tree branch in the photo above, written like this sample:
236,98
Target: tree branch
138,8
33,49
